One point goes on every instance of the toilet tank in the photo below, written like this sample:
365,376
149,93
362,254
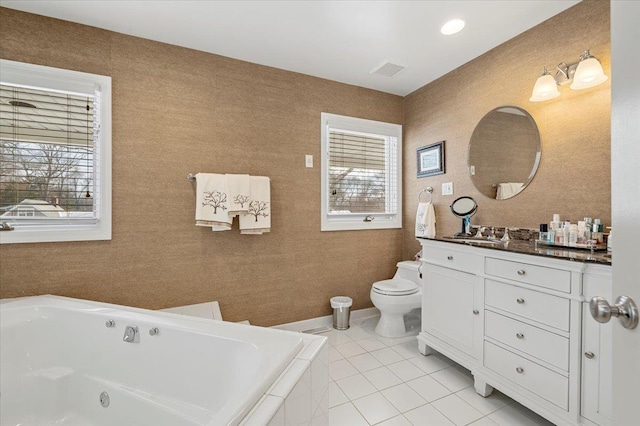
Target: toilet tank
408,270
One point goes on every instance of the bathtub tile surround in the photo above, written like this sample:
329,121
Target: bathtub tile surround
410,389
209,310
300,396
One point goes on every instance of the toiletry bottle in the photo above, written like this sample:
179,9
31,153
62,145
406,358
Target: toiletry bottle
566,229
581,232
573,235
600,233
559,236
555,223
588,224
544,232
609,240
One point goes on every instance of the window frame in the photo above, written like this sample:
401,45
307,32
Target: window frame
73,229
356,221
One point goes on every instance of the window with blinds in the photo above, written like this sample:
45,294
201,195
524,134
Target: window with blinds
361,174
47,151
52,174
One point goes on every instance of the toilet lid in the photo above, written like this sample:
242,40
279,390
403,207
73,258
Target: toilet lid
395,287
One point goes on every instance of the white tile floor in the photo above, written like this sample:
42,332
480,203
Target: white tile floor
382,381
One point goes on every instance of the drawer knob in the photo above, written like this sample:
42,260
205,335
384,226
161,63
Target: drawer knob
519,370
520,300
589,355
449,257
520,336
476,312
521,272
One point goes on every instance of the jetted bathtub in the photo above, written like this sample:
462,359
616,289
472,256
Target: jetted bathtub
63,361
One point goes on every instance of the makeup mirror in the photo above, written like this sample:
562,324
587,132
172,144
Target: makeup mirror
464,208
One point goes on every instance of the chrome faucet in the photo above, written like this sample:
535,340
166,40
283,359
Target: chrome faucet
481,229
131,334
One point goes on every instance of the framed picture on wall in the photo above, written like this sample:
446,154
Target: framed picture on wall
431,159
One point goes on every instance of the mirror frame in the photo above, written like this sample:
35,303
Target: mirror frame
536,164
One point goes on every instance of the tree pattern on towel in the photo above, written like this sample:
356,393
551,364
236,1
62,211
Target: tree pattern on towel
241,199
258,208
215,199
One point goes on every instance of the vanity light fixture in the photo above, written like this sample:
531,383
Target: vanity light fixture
545,88
453,26
585,73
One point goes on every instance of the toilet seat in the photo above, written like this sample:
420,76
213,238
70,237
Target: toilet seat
395,287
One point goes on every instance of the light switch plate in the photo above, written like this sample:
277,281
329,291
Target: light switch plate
447,188
308,160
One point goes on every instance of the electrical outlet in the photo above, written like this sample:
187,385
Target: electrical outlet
447,188
308,161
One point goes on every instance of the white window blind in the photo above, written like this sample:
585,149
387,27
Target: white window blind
361,175
55,154
48,142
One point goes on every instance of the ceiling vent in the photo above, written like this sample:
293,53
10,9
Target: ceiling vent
387,69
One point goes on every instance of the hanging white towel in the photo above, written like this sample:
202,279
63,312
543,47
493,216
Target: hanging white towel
257,220
508,190
425,221
212,201
239,194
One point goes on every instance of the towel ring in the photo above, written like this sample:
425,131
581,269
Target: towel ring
428,190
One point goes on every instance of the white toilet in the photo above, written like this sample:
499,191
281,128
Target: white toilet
397,297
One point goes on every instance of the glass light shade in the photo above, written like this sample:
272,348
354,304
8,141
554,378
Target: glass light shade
588,74
544,89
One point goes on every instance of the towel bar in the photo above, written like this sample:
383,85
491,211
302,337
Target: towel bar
428,190
191,177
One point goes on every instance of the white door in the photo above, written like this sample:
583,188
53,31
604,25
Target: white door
625,199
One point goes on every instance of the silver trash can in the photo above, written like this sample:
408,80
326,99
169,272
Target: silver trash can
341,308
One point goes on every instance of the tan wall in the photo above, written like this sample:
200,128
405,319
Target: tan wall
574,175
177,111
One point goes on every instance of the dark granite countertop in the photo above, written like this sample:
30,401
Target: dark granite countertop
529,247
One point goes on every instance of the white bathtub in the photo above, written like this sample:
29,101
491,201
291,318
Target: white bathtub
57,356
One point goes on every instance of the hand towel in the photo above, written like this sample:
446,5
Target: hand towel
257,220
425,221
239,194
508,190
212,201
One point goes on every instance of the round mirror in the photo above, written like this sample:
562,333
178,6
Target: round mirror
504,152
464,206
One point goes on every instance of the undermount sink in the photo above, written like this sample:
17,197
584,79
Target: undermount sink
475,240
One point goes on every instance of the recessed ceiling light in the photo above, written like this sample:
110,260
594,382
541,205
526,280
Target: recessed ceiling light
452,27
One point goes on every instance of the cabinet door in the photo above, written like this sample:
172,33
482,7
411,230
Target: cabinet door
452,308
597,404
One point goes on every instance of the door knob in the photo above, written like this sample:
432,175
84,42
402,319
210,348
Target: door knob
624,309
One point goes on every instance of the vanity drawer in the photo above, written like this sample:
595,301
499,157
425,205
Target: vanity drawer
541,307
536,378
544,345
454,259
555,279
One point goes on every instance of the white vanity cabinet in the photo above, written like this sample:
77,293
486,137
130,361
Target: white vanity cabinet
520,323
463,296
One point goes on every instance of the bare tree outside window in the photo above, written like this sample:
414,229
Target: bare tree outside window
54,173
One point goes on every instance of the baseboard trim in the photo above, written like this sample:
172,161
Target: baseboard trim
326,321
